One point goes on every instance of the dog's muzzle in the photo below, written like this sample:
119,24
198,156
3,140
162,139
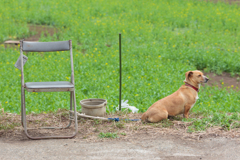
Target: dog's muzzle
206,80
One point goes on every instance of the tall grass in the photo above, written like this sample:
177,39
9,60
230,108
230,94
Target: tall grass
161,41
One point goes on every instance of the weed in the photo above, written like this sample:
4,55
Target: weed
6,126
166,123
120,125
124,134
215,119
64,114
232,74
107,135
96,121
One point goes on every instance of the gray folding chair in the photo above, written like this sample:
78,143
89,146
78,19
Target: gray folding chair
62,86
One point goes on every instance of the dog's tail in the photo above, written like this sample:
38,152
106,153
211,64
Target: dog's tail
144,117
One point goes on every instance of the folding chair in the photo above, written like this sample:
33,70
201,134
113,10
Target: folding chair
62,86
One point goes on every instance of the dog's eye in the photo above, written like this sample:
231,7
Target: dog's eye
199,75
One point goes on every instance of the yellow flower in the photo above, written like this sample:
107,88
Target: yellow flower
6,102
106,63
129,77
222,82
107,86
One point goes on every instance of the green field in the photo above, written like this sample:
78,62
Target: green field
161,40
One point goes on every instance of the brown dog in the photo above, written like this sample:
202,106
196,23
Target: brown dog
180,102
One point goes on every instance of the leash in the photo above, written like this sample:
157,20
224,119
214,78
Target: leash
117,119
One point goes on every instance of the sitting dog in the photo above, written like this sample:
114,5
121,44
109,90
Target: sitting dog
180,102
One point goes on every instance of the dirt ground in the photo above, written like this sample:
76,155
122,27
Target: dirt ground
224,80
133,140
140,147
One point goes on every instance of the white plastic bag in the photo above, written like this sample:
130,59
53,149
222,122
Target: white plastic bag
124,104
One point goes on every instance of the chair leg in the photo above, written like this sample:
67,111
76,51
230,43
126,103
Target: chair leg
75,113
70,114
24,112
73,98
22,106
23,109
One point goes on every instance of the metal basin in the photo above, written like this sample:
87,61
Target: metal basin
94,107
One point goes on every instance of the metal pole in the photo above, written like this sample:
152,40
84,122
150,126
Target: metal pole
120,72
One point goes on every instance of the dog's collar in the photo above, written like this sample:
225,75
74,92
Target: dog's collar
196,89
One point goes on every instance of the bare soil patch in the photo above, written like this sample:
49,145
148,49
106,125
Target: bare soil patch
224,80
37,30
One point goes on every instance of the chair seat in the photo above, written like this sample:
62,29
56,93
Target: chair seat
49,86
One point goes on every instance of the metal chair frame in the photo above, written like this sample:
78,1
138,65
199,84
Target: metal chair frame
48,86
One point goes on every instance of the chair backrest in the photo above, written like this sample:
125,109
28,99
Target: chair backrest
45,46
28,46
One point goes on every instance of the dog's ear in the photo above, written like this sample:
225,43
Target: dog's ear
188,74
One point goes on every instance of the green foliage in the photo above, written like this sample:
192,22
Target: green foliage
96,121
6,126
107,135
120,125
166,123
161,40
223,120
124,134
